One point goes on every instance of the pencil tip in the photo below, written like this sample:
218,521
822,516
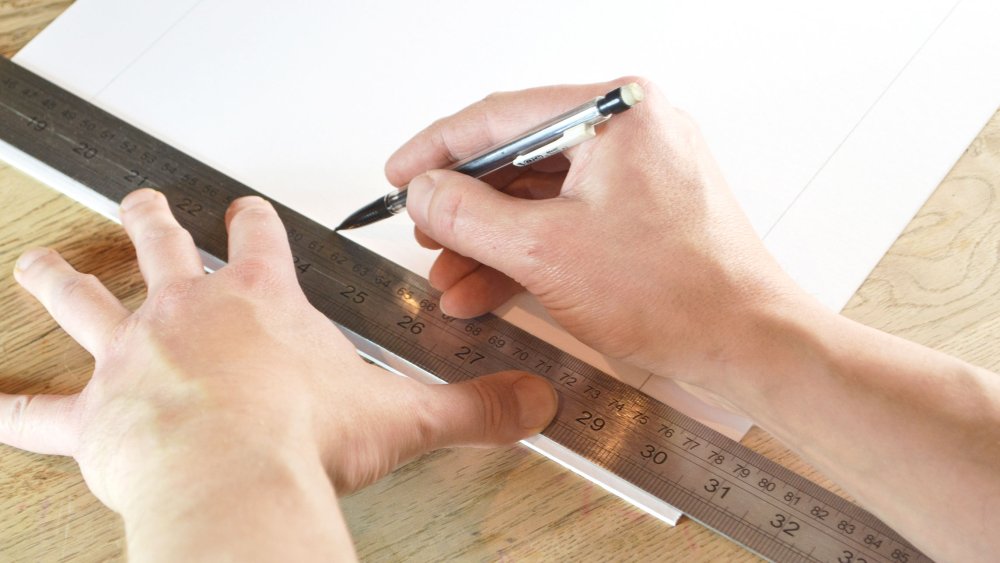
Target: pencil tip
345,224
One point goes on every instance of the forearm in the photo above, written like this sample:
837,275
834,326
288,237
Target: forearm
912,433
235,505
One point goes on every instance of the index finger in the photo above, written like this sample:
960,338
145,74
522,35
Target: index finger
492,120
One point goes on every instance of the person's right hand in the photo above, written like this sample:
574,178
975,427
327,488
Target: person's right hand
634,243
641,251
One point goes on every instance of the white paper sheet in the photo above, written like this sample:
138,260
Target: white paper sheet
833,123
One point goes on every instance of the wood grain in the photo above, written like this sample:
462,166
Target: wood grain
20,20
46,511
937,285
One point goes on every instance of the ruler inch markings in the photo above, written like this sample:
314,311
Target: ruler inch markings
615,426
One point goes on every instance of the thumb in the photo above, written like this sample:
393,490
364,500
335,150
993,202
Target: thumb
475,220
44,424
491,410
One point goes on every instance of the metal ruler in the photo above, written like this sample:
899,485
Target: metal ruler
714,480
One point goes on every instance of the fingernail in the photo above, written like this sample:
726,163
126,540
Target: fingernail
28,258
444,310
418,201
245,202
249,201
442,303
137,197
536,402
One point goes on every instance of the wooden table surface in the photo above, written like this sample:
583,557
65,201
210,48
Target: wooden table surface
937,285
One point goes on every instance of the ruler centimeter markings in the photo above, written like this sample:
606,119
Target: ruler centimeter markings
744,496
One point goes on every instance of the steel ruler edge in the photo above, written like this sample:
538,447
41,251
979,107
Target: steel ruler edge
569,459
70,140
366,348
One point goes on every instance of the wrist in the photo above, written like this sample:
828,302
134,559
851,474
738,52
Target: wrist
785,338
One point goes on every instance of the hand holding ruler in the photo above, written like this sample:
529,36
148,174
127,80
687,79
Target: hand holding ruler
390,312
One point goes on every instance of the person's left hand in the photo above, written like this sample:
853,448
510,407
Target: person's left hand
236,365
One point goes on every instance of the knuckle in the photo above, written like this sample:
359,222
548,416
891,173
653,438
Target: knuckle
14,421
441,144
427,419
255,274
438,125
445,213
444,140
121,337
71,288
493,99
170,298
164,233
146,205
